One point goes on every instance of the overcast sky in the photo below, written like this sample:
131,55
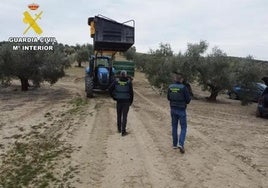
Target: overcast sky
238,27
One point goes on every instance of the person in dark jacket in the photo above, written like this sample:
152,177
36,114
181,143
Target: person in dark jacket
122,91
179,97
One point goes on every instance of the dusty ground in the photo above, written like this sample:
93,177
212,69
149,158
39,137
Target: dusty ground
55,137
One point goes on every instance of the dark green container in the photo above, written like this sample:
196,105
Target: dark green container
128,66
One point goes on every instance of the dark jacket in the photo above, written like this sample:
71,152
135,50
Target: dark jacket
265,92
178,95
112,90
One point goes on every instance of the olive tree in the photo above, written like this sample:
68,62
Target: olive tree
82,53
37,66
191,59
158,66
247,73
214,73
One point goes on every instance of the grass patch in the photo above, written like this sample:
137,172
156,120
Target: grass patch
78,101
77,104
30,164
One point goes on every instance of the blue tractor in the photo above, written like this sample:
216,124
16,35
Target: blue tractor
99,75
109,37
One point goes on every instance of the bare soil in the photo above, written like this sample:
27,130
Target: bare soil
56,137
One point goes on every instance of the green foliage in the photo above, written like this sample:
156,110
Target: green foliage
188,63
158,69
159,64
5,81
247,72
38,66
130,53
214,73
164,50
31,163
69,50
77,103
141,61
51,71
82,53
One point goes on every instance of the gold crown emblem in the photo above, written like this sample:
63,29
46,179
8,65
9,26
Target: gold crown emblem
33,6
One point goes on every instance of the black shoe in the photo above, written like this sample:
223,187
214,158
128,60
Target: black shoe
124,133
181,149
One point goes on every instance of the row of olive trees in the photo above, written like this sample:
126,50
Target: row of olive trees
37,66
82,53
214,71
79,53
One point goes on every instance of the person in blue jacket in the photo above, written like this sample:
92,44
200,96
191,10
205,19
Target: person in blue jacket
121,90
179,97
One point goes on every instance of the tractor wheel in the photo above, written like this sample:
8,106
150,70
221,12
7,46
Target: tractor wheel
89,86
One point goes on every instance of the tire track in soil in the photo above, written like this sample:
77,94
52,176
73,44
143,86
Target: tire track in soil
134,160
205,164
125,160
92,138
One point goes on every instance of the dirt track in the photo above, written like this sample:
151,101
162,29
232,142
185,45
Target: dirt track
226,145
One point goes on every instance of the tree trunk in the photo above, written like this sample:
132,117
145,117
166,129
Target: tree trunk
214,91
79,64
213,95
24,84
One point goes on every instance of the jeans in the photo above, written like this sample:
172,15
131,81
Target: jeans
122,111
176,115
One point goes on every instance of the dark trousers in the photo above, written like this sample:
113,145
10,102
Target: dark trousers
122,111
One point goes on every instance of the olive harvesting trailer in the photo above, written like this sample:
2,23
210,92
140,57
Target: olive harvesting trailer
109,37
